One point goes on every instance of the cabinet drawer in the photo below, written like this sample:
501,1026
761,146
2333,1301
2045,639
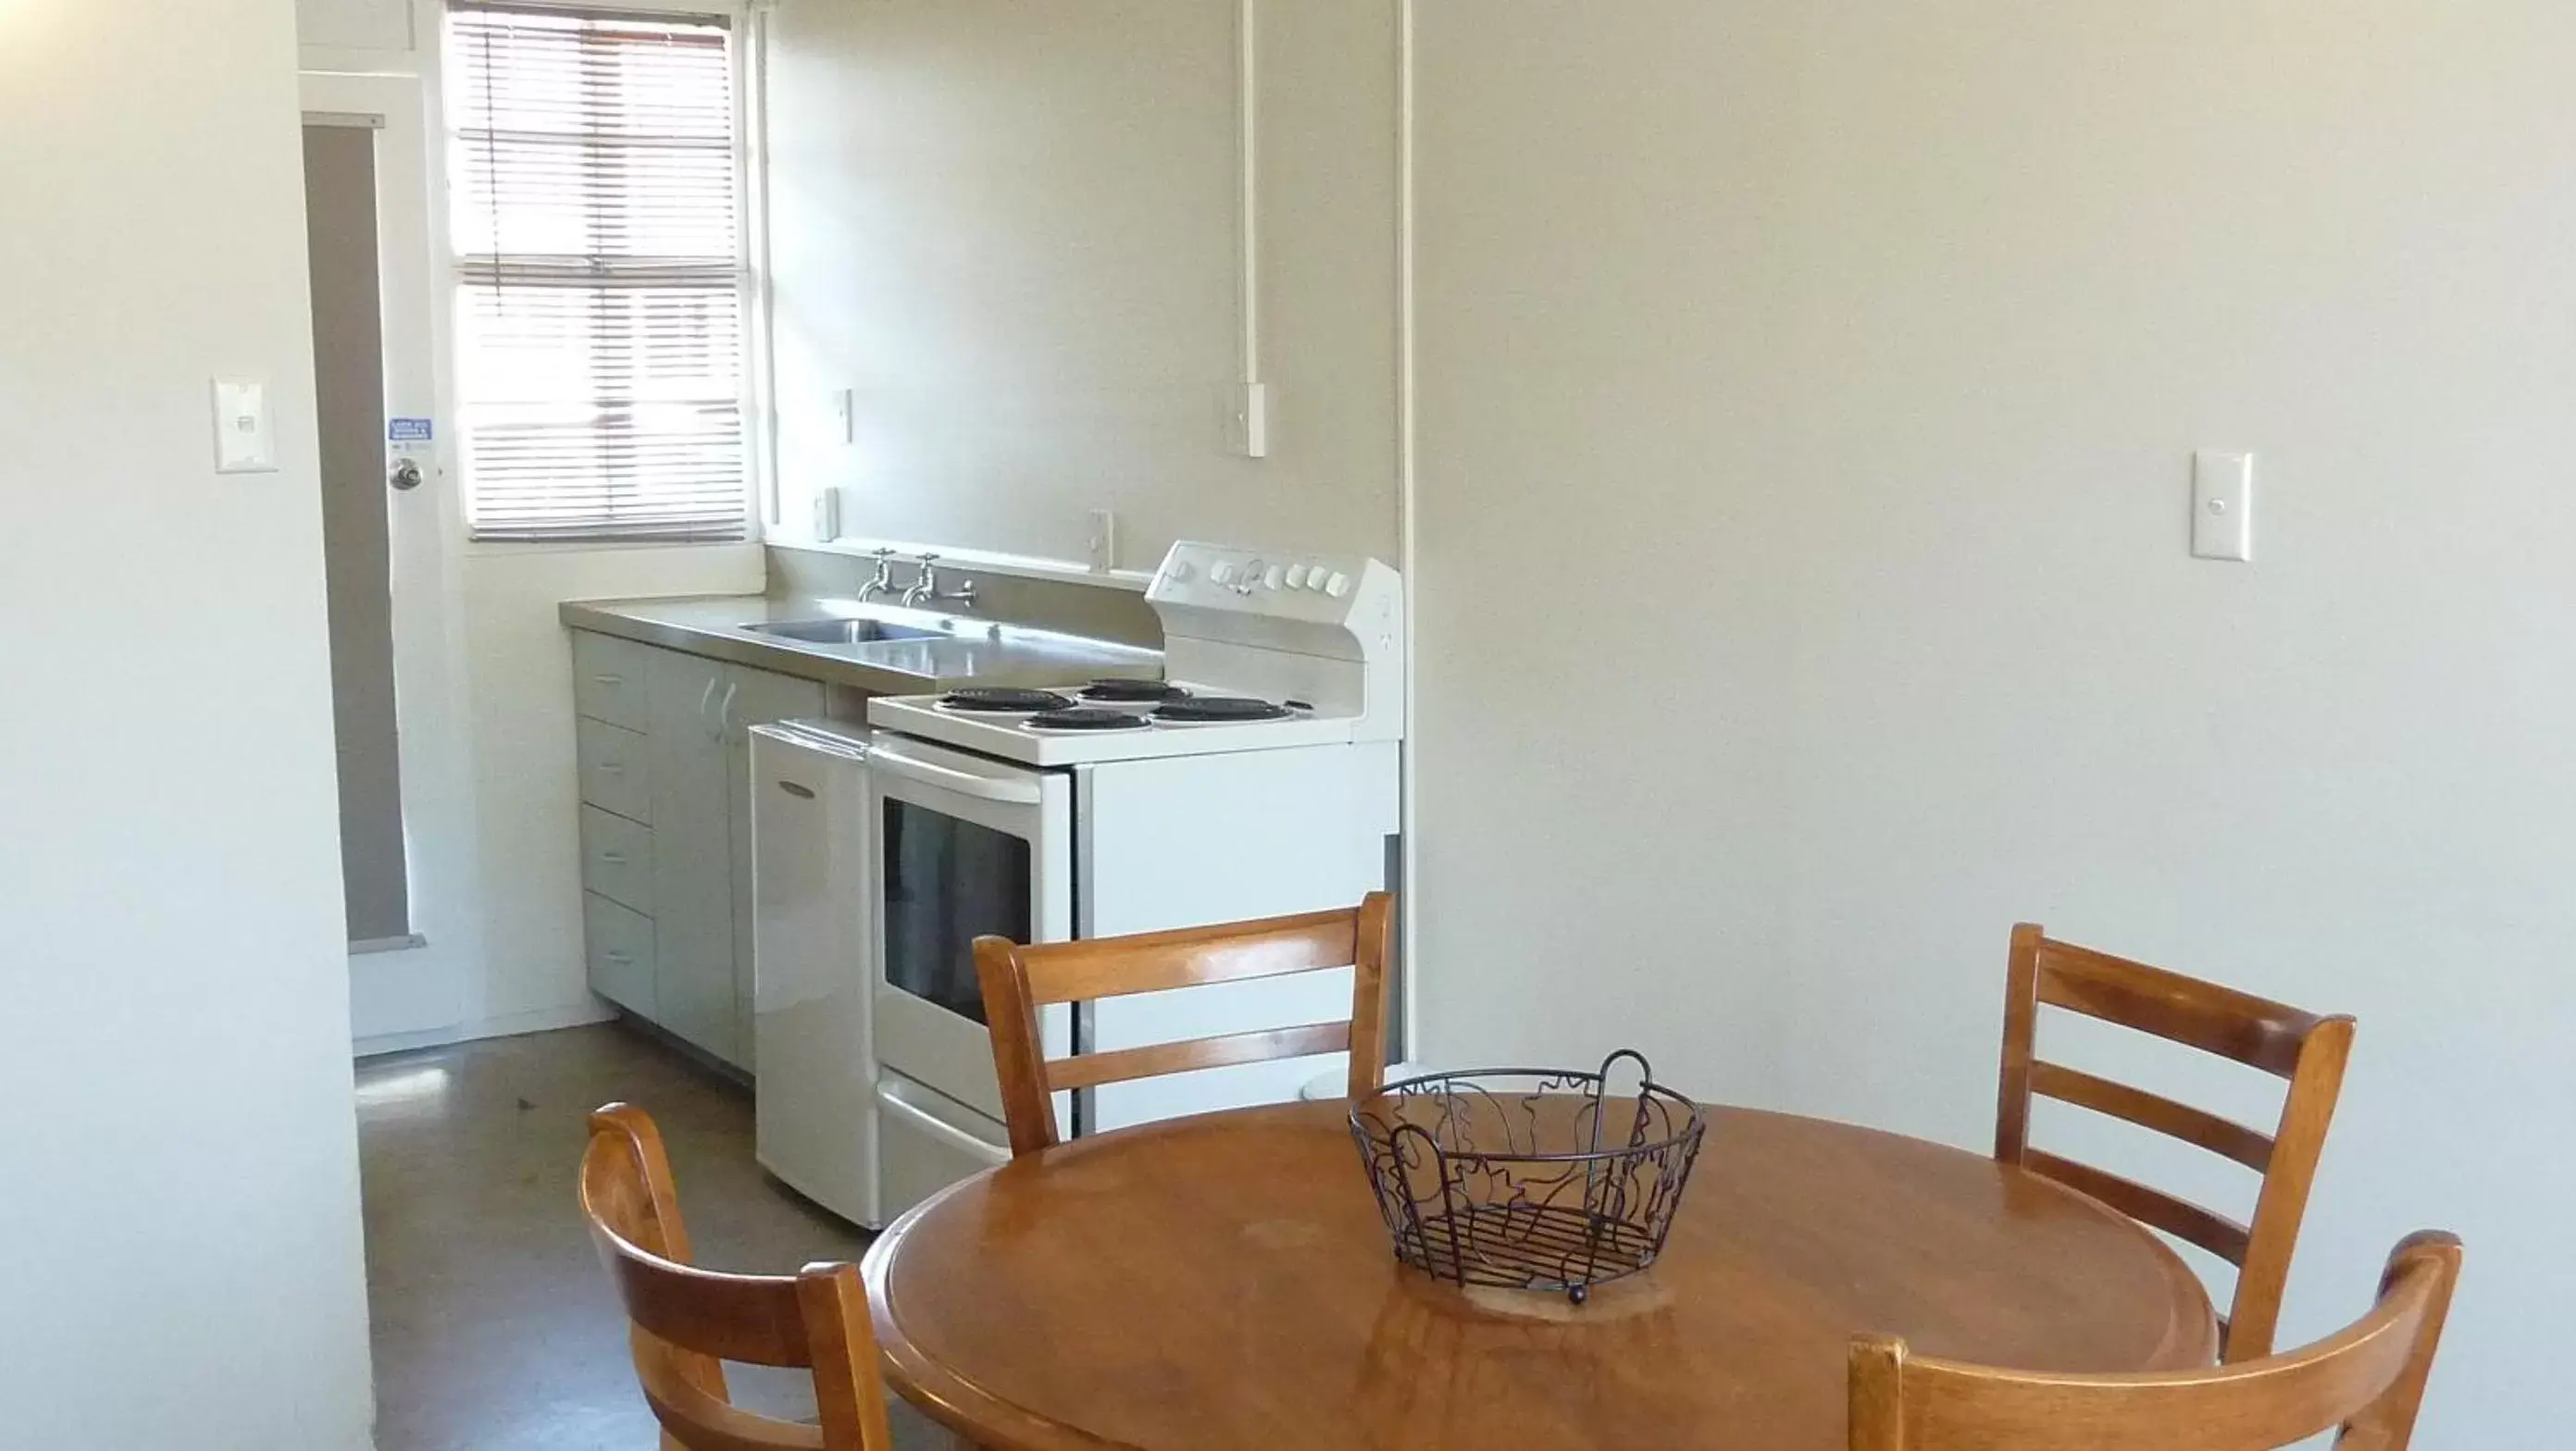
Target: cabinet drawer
617,858
616,770
608,678
620,950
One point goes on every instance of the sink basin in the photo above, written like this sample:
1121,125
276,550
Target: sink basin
842,632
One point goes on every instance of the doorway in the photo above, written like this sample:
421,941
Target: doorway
357,551
391,536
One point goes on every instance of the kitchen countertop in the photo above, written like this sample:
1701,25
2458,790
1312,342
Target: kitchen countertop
982,653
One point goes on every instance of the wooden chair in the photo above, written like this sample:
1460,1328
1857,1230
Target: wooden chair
1018,980
685,1321
2306,1049
2368,1379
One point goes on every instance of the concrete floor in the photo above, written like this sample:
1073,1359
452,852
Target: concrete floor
494,1328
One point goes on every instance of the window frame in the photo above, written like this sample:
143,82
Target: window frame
744,19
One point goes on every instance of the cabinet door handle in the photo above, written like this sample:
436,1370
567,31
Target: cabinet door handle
801,792
613,858
612,768
620,958
724,712
610,679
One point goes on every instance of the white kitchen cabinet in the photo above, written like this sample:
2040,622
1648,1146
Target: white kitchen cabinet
665,751
756,697
619,945
692,850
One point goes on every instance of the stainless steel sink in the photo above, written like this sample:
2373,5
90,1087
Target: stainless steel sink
843,632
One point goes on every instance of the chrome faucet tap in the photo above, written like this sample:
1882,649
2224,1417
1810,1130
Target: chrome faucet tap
925,589
883,584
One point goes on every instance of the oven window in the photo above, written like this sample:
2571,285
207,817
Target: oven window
948,882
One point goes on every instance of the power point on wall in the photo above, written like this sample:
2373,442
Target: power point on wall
2222,505
1101,541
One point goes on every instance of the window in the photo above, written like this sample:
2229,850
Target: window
597,207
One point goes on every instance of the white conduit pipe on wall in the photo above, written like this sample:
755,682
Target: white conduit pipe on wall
1252,403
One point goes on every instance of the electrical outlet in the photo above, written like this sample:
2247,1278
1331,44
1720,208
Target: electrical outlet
1102,541
2222,505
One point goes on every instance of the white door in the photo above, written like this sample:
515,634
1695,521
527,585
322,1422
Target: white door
412,982
961,847
815,1115
692,851
751,698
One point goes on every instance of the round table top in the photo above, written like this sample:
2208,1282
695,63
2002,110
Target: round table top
1225,1282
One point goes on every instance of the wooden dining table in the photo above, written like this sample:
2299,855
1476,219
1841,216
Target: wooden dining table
1225,1282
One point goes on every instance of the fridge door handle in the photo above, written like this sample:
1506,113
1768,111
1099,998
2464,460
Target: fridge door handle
1023,791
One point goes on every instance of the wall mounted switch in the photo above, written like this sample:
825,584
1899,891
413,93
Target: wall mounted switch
845,416
245,441
2222,505
1101,541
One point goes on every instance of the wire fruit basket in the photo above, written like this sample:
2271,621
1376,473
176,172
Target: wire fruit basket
1529,1178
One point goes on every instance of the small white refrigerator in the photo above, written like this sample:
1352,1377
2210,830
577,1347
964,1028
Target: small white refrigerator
812,982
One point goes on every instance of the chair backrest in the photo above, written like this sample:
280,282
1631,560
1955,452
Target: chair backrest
2304,1048
1019,980
2368,1379
685,1322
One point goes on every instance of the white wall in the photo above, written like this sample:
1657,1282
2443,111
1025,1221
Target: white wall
1012,231
179,1139
1843,362
363,25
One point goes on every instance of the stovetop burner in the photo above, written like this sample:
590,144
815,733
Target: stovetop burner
1086,718
1001,700
1133,691
1214,709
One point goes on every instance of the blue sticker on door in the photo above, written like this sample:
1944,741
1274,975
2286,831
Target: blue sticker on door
407,430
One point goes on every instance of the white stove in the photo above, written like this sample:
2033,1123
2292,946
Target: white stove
1317,640
1048,817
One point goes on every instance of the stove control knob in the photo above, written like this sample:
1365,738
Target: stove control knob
1277,576
1222,571
1317,577
1338,586
1296,576
1180,572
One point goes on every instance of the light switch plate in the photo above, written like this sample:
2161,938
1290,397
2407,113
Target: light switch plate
2222,505
1101,541
845,416
245,440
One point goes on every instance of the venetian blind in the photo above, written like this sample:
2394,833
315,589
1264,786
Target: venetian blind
596,209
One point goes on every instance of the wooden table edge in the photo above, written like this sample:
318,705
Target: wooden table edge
984,1419
978,1417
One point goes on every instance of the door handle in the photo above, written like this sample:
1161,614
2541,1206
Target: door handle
724,712
405,475
800,792
965,783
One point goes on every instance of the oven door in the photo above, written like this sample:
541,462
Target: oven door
962,846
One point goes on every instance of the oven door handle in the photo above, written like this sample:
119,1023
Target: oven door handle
1024,792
